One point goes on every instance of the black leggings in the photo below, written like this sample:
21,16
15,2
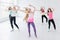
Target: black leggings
13,19
49,22
43,16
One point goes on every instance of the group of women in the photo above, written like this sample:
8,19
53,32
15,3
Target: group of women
29,17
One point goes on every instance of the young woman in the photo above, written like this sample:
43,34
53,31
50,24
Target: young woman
50,17
12,17
43,14
30,19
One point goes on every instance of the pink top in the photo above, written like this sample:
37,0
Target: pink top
31,17
50,15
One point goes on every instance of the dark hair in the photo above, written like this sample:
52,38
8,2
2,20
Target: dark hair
42,10
9,8
49,9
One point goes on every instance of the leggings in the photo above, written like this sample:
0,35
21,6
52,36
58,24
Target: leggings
32,23
43,16
13,20
49,22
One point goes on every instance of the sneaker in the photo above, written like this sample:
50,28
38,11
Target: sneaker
54,30
36,35
29,35
18,29
49,30
12,30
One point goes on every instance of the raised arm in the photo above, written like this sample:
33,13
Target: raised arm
25,11
52,9
18,8
33,7
22,10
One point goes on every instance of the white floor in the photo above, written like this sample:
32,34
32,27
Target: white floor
42,31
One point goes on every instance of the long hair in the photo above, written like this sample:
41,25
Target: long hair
49,9
9,8
26,16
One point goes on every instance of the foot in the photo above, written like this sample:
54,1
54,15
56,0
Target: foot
18,29
12,30
36,35
46,21
29,35
49,30
55,30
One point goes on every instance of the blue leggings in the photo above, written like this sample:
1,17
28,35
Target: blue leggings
32,23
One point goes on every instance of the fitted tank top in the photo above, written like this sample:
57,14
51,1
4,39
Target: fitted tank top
30,17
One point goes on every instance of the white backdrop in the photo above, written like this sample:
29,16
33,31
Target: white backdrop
42,29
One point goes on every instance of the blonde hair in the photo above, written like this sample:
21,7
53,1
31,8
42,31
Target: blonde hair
26,16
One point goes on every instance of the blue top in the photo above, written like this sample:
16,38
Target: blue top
13,13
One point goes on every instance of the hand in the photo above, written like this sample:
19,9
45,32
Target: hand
30,5
52,9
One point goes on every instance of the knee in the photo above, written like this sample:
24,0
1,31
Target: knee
14,23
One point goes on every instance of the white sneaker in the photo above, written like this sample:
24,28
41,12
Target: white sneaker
49,30
54,30
12,30
18,29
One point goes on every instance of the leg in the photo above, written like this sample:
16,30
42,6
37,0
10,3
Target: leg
29,29
34,28
11,21
49,24
54,24
46,18
42,18
15,23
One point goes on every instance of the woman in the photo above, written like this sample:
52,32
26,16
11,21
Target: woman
30,19
43,14
12,17
50,17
